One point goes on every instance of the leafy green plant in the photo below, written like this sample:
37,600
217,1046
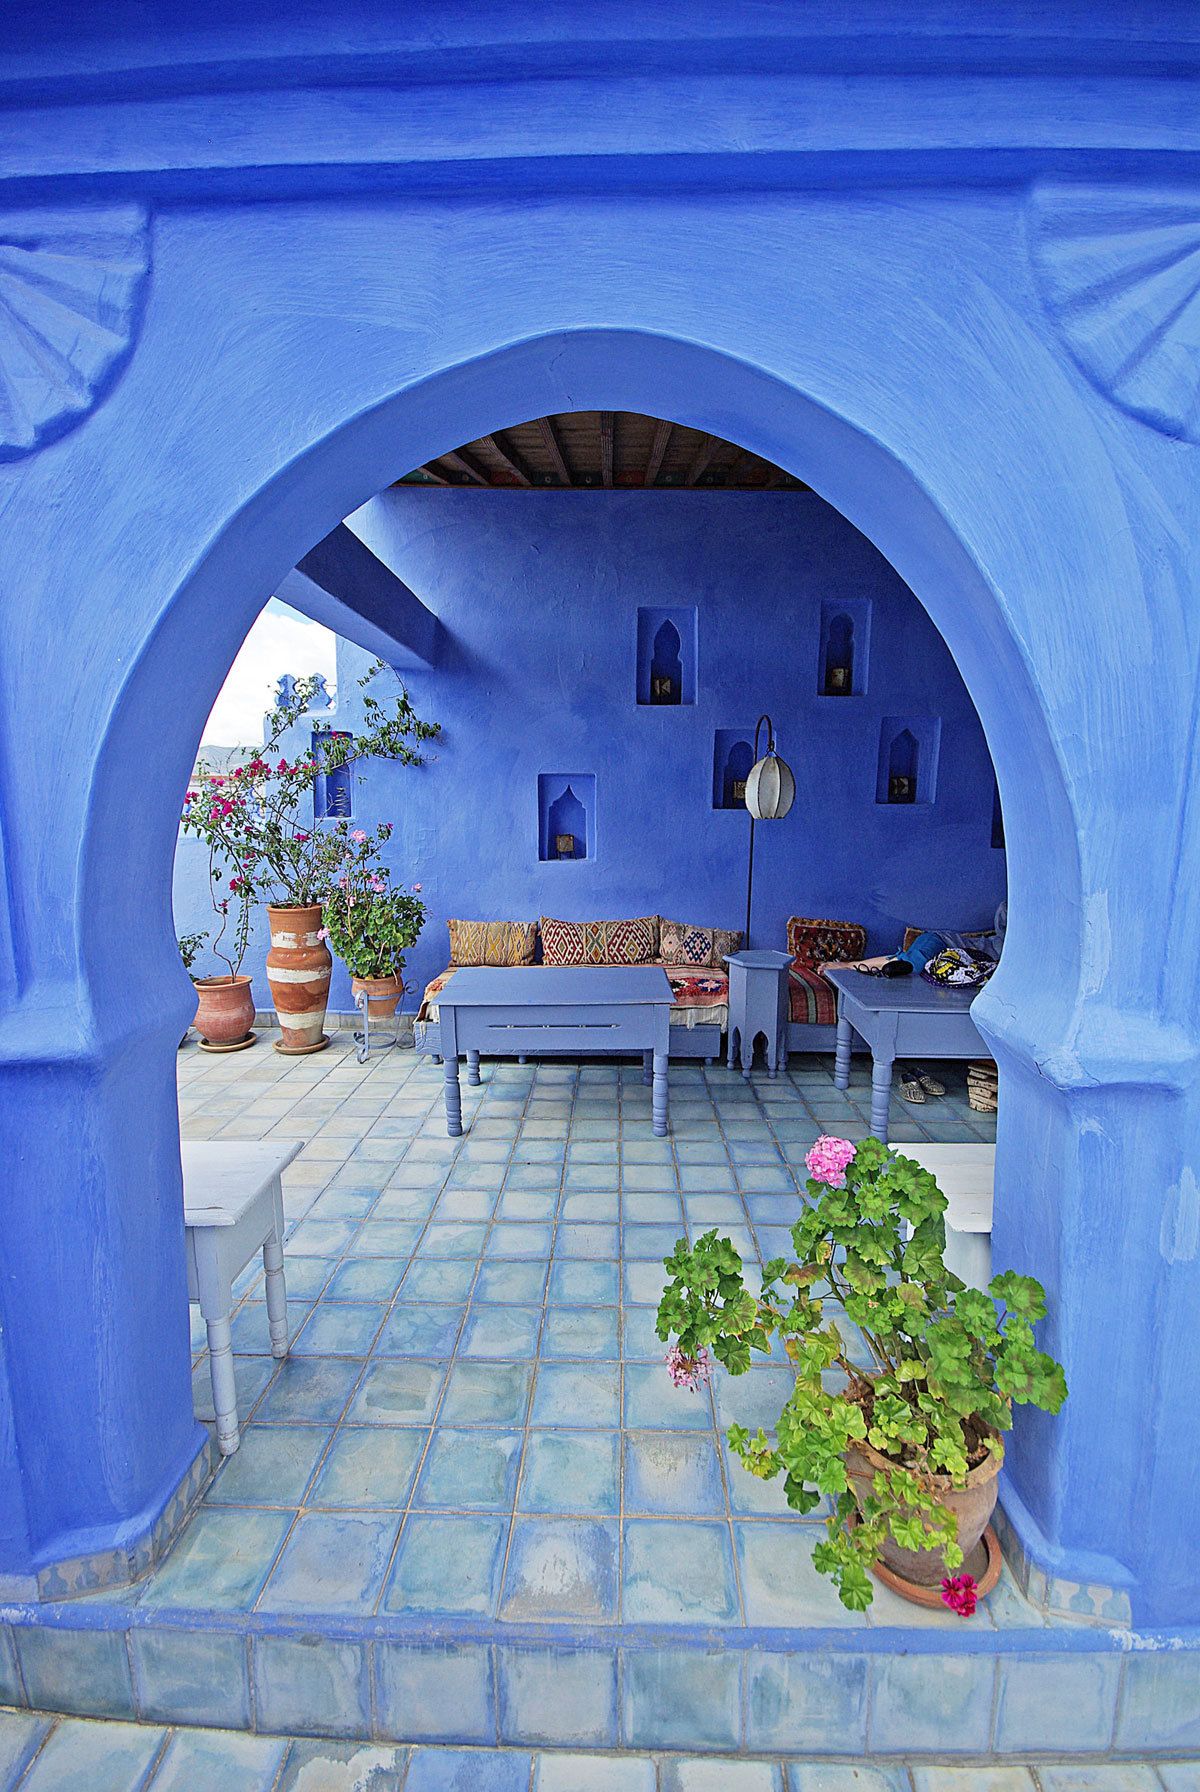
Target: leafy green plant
260,847
889,1348
190,947
371,923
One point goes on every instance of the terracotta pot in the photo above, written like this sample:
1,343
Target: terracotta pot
224,1009
972,1505
298,967
383,994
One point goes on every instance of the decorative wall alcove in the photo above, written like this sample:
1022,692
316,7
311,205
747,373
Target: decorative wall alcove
333,791
908,760
733,756
666,656
566,815
845,647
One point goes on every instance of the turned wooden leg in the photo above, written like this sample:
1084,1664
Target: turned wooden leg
276,1296
881,1096
658,1099
453,1098
473,1069
841,1058
220,1360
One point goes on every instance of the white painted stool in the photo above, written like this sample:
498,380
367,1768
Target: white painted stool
966,1176
232,1208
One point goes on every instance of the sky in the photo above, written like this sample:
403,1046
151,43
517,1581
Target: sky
280,641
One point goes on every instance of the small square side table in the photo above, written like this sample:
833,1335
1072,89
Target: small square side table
758,1003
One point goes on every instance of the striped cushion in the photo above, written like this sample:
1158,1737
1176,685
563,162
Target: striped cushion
492,942
812,999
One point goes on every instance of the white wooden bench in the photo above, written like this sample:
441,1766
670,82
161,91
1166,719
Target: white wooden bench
233,1208
966,1176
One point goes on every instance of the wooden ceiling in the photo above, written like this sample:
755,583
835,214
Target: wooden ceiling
619,449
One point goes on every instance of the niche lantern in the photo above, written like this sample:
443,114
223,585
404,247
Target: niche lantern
770,793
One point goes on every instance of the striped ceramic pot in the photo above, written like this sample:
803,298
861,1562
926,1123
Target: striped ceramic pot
298,967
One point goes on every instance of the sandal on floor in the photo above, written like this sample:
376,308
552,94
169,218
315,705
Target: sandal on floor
930,1084
911,1090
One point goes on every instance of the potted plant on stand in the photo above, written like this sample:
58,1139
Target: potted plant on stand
255,818
905,1377
371,924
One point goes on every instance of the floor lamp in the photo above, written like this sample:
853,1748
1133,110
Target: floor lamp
770,793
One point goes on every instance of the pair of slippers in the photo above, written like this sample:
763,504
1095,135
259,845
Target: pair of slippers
916,1084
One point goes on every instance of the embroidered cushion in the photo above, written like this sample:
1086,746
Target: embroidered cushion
812,943
492,942
599,942
681,943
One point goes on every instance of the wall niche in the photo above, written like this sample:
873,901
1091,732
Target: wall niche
733,756
908,760
997,818
333,791
666,656
566,815
845,647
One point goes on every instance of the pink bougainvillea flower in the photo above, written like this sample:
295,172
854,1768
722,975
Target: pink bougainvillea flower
828,1159
959,1592
300,839
690,1372
417,888
282,767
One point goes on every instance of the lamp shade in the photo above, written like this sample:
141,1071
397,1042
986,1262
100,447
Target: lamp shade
770,788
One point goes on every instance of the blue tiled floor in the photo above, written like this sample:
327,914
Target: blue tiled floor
39,1754
475,1418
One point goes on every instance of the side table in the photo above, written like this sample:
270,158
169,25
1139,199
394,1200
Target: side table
758,1003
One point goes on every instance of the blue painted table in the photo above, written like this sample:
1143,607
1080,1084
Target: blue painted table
899,1017
543,1008
758,1003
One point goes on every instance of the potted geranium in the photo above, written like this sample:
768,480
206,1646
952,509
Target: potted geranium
909,1448
371,923
253,817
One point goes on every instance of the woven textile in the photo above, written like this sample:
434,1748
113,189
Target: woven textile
599,942
681,943
812,943
492,942
812,1000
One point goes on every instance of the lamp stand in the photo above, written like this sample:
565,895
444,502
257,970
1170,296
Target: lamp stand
750,861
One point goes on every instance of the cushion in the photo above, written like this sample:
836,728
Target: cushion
812,999
812,943
492,942
599,942
693,987
681,943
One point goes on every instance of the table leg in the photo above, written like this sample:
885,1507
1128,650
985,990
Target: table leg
841,1056
473,1069
647,1068
453,1097
658,1099
276,1295
220,1362
881,1096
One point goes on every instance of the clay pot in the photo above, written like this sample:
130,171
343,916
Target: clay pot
972,1505
298,968
224,1009
383,994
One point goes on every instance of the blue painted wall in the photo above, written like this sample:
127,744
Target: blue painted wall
538,594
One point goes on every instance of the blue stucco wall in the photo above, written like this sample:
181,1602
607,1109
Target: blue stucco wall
538,594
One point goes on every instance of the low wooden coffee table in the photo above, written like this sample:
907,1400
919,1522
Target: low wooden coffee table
899,1017
542,1009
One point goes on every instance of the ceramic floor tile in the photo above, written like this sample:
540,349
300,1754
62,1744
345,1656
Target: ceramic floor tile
332,1563
486,1393
271,1467
581,1332
780,1584
568,1471
501,1331
311,1390
372,1465
366,1279
678,1573
562,1568
221,1560
577,1394
397,1391
412,1330
469,1470
577,1283
105,1757
511,1283
448,1564
340,1329
673,1471
652,1402
221,1759
446,1283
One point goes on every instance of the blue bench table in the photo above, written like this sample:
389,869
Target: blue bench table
899,1017
546,1009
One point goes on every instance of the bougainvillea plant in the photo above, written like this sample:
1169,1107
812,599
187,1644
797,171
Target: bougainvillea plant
190,947
889,1346
252,814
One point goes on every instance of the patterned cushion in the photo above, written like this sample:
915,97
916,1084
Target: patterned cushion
599,942
812,999
680,943
812,943
492,942
692,989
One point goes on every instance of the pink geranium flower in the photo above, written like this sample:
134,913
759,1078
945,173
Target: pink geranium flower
960,1593
828,1160
690,1372
417,889
358,836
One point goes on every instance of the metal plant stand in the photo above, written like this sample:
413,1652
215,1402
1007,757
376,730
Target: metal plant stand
363,1040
